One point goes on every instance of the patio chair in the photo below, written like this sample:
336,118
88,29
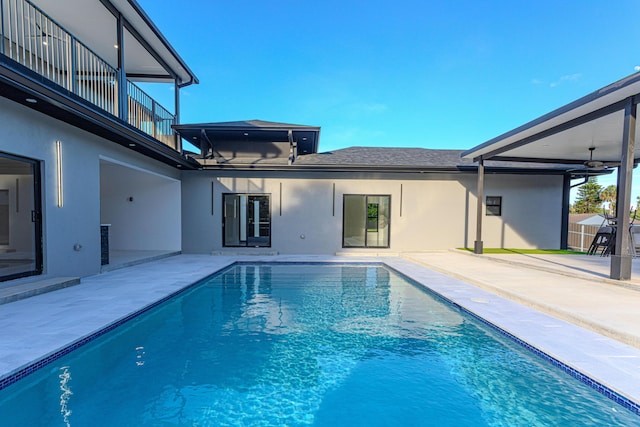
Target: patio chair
603,242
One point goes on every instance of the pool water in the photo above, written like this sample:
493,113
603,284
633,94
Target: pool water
311,344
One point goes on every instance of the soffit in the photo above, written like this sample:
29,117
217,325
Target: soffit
93,24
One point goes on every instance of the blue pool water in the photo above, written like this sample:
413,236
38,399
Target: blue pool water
323,345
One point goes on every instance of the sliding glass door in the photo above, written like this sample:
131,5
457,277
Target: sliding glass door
20,217
365,221
247,220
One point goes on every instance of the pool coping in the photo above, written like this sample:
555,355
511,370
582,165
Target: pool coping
610,367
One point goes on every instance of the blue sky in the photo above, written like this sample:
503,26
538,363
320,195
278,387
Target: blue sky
449,74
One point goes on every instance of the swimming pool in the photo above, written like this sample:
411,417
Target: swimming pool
273,344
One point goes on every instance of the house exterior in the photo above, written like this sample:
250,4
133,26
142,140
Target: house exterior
90,165
356,200
82,143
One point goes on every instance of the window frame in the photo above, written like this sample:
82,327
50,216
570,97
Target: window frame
493,206
366,220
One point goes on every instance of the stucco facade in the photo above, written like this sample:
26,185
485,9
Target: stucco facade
71,233
428,211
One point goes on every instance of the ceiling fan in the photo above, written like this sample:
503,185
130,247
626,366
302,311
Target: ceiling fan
39,32
597,164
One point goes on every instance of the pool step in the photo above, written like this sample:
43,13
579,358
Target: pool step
29,289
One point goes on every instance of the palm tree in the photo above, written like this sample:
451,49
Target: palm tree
609,195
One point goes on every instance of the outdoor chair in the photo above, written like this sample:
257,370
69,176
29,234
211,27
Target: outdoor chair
603,242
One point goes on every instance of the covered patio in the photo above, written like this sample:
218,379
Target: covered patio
597,131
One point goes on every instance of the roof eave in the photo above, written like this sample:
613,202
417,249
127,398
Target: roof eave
609,95
187,76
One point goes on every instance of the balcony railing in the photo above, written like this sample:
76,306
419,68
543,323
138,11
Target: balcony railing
37,42
149,116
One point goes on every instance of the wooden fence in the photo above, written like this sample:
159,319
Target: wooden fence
580,236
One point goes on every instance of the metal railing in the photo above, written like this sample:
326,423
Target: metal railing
37,42
149,116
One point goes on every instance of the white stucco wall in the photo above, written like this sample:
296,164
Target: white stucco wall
428,212
141,207
31,134
531,212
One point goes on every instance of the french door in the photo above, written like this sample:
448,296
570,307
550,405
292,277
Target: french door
246,220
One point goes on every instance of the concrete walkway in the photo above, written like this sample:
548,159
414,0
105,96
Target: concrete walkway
574,288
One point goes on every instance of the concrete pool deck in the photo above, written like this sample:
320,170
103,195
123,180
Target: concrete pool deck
504,290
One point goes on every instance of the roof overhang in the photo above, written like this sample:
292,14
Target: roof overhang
566,135
242,133
148,54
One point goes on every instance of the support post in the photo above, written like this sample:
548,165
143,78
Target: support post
564,225
621,260
176,116
123,101
477,245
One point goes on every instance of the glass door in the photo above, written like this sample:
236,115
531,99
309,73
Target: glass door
365,221
247,220
20,217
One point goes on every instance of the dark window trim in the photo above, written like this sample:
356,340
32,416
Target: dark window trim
366,220
493,206
224,245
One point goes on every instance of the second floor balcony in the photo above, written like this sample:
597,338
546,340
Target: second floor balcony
98,54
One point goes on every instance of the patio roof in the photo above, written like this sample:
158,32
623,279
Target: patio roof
566,134
264,138
598,130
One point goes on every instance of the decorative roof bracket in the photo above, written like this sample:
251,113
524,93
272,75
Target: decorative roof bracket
293,147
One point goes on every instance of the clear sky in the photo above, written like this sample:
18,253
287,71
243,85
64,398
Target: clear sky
403,73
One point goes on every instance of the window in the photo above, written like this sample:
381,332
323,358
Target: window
247,220
494,206
372,217
4,217
365,221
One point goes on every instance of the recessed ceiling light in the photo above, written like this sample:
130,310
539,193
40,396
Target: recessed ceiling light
179,166
31,100
246,134
132,145
194,137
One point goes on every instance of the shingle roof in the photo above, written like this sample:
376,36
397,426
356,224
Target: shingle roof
388,159
409,157
379,156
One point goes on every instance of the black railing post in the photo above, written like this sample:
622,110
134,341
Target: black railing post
123,111
2,27
176,137
177,140
74,66
154,118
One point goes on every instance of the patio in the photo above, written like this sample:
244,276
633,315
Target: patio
575,288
